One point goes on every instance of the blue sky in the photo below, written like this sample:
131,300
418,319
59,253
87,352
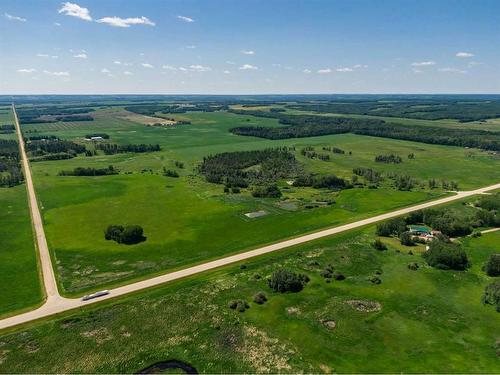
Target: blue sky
249,47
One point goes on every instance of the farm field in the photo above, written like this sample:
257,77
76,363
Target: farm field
184,217
343,326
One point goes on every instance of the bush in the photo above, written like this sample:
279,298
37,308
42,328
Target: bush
379,245
170,173
446,255
260,298
129,235
271,191
376,280
239,305
413,266
406,239
492,267
283,280
491,295
338,276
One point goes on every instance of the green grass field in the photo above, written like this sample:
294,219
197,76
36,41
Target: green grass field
186,219
422,321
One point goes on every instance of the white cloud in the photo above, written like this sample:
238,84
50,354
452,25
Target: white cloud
54,57
359,66
190,47
182,69
57,74
344,70
117,62
146,65
75,10
248,67
464,54
226,72
169,67
42,55
424,63
127,73
126,22
307,71
104,70
452,70
80,56
200,68
14,18
57,24
185,19
31,70
247,52
474,63
417,71
324,71
230,62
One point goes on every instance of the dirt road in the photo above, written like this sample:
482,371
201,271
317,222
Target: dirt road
49,279
56,304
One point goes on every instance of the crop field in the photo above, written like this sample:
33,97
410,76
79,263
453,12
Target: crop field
183,218
342,326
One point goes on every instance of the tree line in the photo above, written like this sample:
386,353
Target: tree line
300,126
10,168
113,148
83,171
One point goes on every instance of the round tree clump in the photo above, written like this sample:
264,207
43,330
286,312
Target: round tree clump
283,280
129,235
492,267
491,295
446,256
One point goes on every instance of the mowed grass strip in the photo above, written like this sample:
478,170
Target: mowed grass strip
427,320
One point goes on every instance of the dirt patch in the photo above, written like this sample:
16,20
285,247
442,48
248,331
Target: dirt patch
364,305
265,354
146,120
100,335
293,311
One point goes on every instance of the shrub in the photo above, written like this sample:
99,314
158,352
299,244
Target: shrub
492,267
239,305
271,191
413,266
260,298
338,276
170,173
379,245
491,295
283,280
375,280
446,255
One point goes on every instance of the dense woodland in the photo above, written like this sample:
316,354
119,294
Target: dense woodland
429,109
150,109
48,114
301,126
10,168
242,168
52,148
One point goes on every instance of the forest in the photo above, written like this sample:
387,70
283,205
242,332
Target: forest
53,149
241,168
10,169
301,126
427,109
113,148
32,115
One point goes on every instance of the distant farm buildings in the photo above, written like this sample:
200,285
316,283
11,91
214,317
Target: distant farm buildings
423,233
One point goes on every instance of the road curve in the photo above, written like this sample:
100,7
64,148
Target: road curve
48,276
56,304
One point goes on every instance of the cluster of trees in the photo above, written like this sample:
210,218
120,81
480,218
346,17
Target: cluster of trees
48,114
489,213
10,169
128,235
7,129
335,150
299,126
326,181
446,255
492,267
102,135
368,174
391,158
113,148
82,171
428,109
170,173
43,138
53,149
283,280
241,168
313,154
447,185
150,109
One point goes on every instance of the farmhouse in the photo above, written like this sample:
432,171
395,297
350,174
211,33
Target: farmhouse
422,232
